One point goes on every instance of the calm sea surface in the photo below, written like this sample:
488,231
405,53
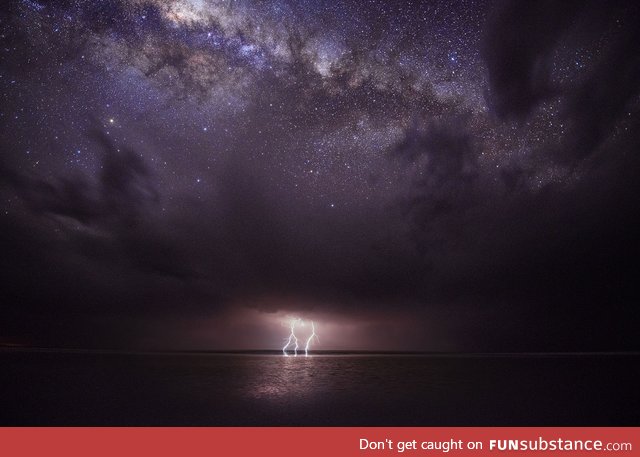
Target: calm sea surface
54,388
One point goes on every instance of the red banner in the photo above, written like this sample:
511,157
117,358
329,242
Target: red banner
318,441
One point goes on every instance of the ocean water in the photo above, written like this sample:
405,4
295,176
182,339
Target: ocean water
63,388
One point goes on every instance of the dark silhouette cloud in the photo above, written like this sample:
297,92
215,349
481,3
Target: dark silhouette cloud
519,49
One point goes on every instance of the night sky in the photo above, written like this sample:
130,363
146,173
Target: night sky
439,176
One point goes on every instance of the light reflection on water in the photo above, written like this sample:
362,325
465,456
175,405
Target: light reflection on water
250,389
280,376
308,379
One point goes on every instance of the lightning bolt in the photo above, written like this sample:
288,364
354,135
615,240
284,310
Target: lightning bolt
293,339
311,337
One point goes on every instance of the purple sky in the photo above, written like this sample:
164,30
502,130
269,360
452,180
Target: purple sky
447,175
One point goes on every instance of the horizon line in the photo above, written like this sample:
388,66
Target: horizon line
17,348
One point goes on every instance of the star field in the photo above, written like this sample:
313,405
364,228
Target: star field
157,76
359,156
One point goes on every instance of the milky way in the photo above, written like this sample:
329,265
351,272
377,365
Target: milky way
418,175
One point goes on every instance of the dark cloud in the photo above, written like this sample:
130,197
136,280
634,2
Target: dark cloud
593,107
519,49
123,189
443,162
524,46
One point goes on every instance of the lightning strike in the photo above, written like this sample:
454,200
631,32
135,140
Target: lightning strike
292,340
311,337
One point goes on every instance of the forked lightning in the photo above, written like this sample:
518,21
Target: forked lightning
292,340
